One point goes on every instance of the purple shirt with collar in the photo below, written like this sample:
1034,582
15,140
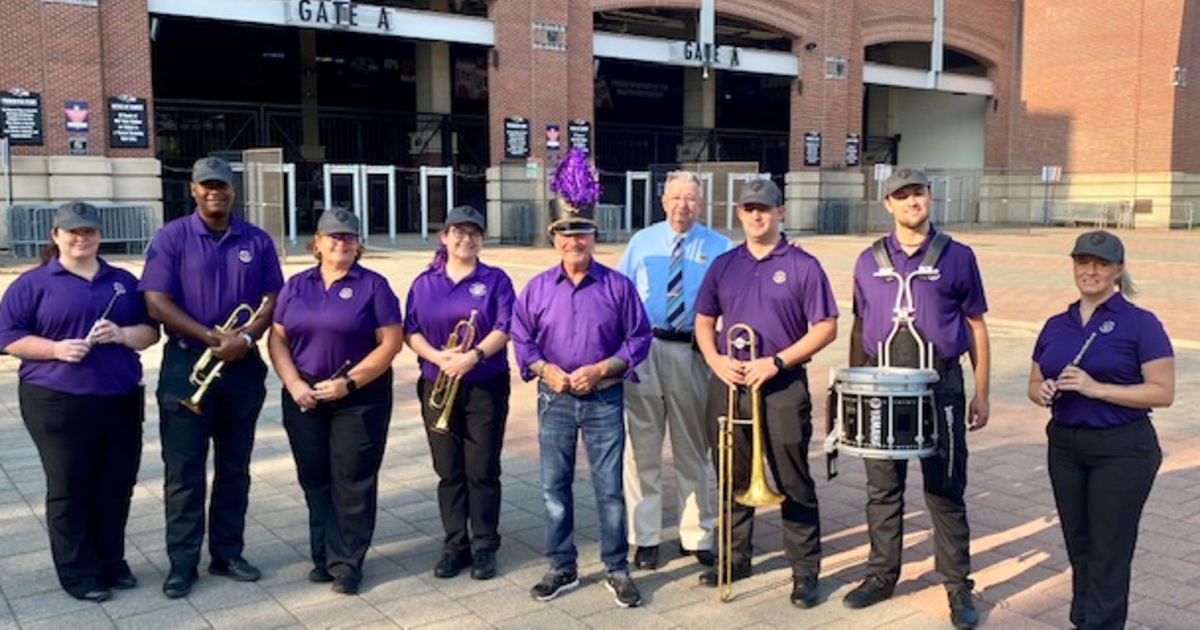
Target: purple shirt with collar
327,327
436,303
1126,338
572,326
779,296
942,306
209,276
55,304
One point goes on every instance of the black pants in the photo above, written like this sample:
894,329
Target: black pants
230,413
338,448
467,461
787,428
90,447
944,495
1101,480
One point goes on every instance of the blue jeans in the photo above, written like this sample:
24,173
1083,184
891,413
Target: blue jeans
600,416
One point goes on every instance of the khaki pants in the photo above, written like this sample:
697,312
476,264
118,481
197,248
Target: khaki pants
669,397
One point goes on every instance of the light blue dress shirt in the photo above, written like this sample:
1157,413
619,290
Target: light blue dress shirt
647,262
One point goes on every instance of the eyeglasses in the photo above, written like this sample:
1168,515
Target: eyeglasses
459,234
343,237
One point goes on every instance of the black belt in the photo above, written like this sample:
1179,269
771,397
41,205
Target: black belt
677,336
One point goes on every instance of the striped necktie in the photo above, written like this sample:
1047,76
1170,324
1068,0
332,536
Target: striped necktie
675,309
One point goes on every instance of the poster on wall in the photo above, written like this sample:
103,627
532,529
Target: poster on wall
21,118
812,148
128,125
516,137
579,135
553,138
75,116
851,149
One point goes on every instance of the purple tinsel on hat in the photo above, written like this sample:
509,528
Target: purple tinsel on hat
575,181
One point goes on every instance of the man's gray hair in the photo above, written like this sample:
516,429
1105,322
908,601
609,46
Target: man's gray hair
691,177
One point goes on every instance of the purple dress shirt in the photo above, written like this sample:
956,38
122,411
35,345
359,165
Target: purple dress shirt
572,326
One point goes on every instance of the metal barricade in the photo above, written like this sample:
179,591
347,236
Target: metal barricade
610,218
517,223
128,227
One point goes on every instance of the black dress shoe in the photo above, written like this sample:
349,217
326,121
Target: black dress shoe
804,592
235,568
646,558
739,571
320,575
484,567
703,556
97,595
179,582
873,590
452,563
119,578
346,583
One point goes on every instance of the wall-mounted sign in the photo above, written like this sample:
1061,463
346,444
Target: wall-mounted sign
75,115
553,140
852,149
77,145
579,135
128,124
516,137
812,148
697,55
21,117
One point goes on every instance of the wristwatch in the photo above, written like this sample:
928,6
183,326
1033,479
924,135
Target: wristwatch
479,353
778,363
248,339
351,386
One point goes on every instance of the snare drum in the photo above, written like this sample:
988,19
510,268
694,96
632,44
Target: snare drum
886,412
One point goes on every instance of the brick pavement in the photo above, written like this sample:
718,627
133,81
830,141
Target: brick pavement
1020,564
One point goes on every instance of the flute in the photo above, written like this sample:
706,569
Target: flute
341,371
1074,362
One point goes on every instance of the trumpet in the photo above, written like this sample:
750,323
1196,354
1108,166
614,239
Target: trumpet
207,368
758,493
445,388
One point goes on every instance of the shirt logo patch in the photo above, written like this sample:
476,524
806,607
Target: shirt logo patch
478,289
346,293
779,277
245,256
1108,326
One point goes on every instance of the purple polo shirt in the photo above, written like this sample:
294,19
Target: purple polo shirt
572,326
326,328
55,304
207,276
1126,338
779,296
942,306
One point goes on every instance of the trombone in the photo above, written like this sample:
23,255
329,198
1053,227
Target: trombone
445,388
758,493
207,368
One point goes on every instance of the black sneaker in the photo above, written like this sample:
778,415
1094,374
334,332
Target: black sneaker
873,590
703,556
555,583
625,591
962,609
804,592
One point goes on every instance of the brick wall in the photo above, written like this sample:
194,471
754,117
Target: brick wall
77,53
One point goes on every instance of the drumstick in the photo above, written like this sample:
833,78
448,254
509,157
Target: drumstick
342,371
1074,362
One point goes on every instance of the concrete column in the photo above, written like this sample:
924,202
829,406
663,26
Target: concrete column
699,99
310,148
